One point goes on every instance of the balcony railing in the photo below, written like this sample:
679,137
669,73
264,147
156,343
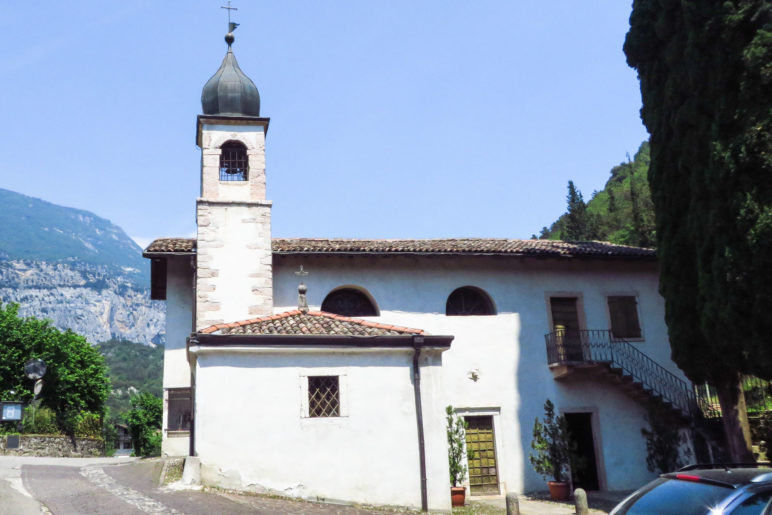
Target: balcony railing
601,347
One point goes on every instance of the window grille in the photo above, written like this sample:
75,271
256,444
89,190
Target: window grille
349,303
179,412
624,317
469,301
234,165
323,396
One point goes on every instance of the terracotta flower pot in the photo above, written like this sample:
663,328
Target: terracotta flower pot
457,495
559,490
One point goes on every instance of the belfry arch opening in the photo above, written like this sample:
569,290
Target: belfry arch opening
234,164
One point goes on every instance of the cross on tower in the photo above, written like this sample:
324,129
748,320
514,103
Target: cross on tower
231,26
301,273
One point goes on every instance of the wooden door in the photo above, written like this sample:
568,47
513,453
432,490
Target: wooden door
481,456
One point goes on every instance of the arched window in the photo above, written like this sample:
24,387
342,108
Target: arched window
469,300
349,302
234,165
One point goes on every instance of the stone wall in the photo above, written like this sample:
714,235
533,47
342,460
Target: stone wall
58,446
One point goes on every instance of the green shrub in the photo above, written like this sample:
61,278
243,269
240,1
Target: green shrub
40,421
154,444
144,421
89,425
109,435
456,430
554,452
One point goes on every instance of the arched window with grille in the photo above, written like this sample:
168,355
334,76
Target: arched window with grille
349,302
234,165
469,300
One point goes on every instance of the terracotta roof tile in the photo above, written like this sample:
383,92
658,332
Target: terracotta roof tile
314,323
171,245
455,246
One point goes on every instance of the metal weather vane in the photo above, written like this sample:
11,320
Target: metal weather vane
231,25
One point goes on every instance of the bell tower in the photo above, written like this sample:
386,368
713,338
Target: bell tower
234,257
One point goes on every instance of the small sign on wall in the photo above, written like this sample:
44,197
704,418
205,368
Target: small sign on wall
11,411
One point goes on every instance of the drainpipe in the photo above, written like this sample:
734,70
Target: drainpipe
192,432
192,340
417,341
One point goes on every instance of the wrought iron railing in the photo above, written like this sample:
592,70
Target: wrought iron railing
602,347
758,398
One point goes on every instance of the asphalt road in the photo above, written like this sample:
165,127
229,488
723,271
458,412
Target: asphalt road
15,497
65,486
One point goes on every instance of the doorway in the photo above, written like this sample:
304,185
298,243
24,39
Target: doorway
565,324
481,456
580,428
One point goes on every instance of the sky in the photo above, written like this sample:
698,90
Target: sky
389,119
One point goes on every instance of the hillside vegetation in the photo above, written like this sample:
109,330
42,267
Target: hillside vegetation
621,213
132,368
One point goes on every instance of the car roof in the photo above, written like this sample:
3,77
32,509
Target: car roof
729,476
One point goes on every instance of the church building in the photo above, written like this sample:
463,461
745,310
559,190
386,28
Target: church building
322,368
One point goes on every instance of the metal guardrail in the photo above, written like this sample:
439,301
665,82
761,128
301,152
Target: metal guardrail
602,347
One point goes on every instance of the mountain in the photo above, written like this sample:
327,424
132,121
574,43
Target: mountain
621,213
78,270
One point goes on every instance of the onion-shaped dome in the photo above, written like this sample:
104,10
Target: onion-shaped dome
230,92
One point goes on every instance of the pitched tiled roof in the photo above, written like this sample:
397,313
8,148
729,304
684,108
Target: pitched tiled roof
486,246
171,246
455,246
316,323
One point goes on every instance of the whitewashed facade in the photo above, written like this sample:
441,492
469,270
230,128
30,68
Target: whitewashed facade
238,384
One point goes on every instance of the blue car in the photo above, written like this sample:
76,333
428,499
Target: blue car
737,489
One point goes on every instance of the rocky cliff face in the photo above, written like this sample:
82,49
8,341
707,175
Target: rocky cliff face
92,300
79,270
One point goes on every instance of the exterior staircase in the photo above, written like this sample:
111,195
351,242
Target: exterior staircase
597,353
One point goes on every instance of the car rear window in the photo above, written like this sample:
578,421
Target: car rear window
675,497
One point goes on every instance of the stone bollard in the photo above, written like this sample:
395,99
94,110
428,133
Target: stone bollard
580,501
513,504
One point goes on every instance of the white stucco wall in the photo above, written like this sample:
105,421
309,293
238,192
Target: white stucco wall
179,325
179,320
507,352
253,432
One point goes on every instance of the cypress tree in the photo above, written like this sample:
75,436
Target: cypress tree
579,224
706,81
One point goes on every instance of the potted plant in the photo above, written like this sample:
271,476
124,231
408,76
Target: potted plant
553,451
456,438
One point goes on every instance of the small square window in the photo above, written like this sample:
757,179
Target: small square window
323,396
624,317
